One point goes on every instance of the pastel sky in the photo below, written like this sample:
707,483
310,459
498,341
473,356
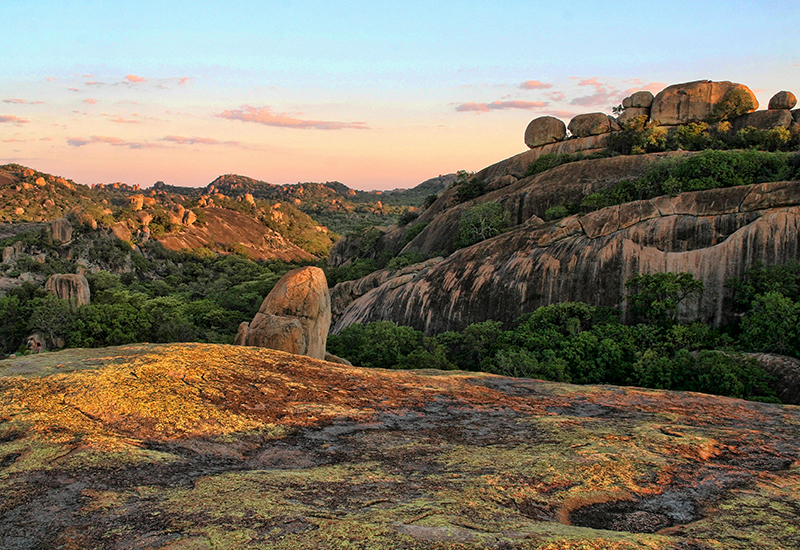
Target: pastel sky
375,95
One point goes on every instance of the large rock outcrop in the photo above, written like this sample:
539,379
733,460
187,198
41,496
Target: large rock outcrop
714,235
544,130
701,100
72,287
294,317
61,230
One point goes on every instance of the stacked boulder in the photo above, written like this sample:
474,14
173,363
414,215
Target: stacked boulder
636,105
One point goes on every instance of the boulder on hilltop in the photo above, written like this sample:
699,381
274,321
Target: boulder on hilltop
294,317
544,130
701,100
589,124
783,100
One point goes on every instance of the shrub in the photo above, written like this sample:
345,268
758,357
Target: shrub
468,187
376,345
556,212
481,222
413,231
655,297
735,103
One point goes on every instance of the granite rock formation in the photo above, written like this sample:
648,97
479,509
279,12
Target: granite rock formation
714,235
294,317
544,130
72,287
697,101
589,124
783,100
61,230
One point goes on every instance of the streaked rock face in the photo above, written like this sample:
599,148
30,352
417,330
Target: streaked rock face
74,288
714,235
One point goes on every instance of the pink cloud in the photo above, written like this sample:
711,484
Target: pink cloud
654,87
13,101
500,105
184,80
133,78
90,101
592,82
557,96
268,117
13,119
197,141
114,141
602,97
534,85
123,120
93,83
73,89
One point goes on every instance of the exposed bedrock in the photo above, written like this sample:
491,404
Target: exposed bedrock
714,235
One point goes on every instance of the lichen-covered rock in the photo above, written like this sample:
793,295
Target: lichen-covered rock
763,120
295,316
589,124
61,230
544,130
72,287
701,100
783,100
11,253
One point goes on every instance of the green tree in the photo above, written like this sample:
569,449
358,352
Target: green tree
655,297
481,222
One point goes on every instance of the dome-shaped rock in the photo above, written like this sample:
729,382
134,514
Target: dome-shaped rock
702,100
544,130
590,124
72,287
61,230
783,100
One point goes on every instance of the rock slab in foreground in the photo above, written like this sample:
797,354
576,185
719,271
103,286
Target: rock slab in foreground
196,446
294,317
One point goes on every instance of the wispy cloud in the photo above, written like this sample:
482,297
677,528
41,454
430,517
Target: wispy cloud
604,95
121,120
266,116
90,101
181,140
13,119
14,101
114,141
184,80
500,105
94,83
534,85
557,96
132,78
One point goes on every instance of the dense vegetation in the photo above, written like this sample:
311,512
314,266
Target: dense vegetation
155,296
575,342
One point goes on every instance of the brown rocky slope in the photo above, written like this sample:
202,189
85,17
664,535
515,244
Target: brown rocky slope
204,446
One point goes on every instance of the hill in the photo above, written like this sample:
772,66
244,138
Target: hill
202,446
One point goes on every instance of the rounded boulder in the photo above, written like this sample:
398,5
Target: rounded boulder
590,124
782,100
544,130
700,101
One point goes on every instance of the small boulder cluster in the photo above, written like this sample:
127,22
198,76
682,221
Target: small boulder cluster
699,101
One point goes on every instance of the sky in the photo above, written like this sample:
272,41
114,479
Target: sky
374,95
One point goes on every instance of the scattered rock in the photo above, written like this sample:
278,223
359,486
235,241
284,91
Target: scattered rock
19,211
544,130
590,124
783,100
701,100
61,230
249,198
144,218
121,231
48,203
294,317
40,182
72,287
189,218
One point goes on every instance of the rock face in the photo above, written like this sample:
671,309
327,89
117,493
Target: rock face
61,230
697,101
714,235
633,112
232,447
783,100
544,130
786,371
763,120
11,253
294,317
590,124
74,288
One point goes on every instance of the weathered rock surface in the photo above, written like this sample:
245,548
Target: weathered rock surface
72,287
544,130
763,120
696,101
61,230
11,253
641,100
783,100
207,446
294,317
589,124
714,235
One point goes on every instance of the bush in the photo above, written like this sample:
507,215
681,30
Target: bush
655,297
376,345
480,223
468,187
412,232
